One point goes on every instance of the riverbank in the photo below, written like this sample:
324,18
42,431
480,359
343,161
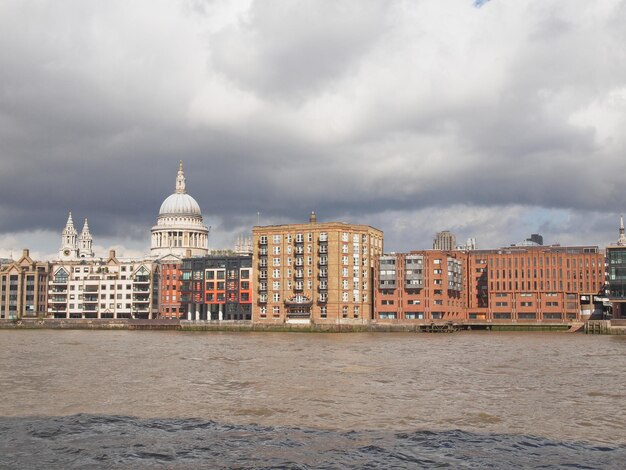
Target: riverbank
241,326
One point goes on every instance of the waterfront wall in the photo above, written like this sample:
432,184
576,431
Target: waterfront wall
247,326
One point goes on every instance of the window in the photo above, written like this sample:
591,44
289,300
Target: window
323,312
276,250
276,273
436,271
276,239
344,311
276,297
276,310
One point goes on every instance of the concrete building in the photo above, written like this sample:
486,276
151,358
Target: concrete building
23,288
217,287
179,224
314,272
101,288
421,285
444,241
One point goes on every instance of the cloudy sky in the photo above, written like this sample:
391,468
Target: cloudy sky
412,116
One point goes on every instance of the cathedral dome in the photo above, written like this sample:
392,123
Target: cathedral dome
179,230
180,204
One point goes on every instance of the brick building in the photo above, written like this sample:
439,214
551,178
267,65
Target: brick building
168,274
421,285
534,283
315,272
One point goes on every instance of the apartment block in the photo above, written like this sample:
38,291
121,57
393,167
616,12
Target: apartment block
101,288
315,272
421,285
217,287
23,288
168,276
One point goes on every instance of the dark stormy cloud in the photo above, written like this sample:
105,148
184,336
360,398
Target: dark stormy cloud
412,116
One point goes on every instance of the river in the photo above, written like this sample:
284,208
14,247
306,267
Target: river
105,399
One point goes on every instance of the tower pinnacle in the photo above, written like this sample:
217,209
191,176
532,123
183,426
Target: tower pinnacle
180,179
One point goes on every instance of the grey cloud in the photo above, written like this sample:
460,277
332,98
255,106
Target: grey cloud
365,111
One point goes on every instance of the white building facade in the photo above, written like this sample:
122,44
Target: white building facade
101,288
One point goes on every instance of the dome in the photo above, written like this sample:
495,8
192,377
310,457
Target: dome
180,204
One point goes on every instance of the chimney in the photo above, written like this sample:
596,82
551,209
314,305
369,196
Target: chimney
25,253
111,254
312,218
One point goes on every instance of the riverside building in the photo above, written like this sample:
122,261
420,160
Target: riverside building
314,272
421,285
101,288
616,273
179,232
217,287
23,288
534,283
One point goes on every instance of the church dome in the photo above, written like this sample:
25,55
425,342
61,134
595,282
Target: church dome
179,230
180,204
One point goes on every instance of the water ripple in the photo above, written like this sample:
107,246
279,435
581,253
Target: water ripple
100,441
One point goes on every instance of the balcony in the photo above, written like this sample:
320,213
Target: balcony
323,249
299,274
323,286
323,262
141,279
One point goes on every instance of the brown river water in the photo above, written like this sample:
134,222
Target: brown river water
310,400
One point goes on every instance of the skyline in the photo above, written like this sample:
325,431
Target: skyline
492,122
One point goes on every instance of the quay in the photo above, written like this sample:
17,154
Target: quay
590,327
